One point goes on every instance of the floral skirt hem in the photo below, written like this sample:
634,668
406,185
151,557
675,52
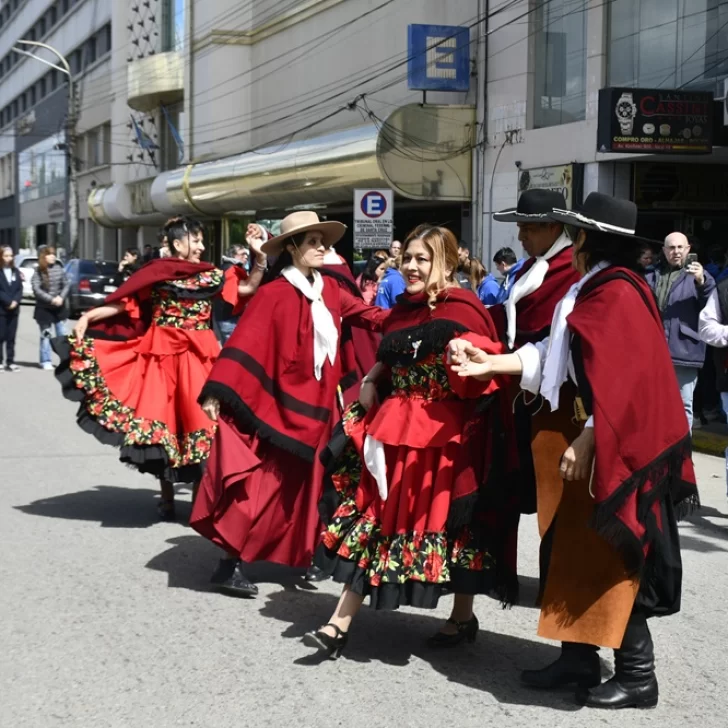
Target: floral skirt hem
147,446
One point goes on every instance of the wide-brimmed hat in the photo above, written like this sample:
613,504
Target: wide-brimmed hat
301,222
605,214
533,206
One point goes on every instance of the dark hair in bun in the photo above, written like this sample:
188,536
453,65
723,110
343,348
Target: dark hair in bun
176,228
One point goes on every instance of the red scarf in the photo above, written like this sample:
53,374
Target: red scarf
642,442
534,312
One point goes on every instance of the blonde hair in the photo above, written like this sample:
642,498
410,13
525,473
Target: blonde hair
442,246
477,273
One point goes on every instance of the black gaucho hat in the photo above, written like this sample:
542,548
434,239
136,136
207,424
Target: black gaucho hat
605,214
533,206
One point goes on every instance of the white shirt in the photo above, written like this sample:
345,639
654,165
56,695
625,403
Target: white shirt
710,324
8,274
532,358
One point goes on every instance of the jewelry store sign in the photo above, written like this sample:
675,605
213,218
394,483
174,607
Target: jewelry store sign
655,121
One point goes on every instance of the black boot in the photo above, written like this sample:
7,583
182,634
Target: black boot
229,578
577,664
634,684
314,573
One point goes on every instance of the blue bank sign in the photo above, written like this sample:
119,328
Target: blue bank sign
439,58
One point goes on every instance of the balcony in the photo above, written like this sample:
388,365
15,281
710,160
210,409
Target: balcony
155,80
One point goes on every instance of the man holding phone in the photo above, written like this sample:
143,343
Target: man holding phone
682,287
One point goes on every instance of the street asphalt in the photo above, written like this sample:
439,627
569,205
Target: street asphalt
107,619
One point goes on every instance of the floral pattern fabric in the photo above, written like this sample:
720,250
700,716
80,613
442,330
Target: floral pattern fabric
192,448
170,306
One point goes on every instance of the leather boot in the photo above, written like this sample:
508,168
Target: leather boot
578,664
634,684
230,578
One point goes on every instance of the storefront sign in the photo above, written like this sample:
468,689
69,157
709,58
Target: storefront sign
559,179
141,197
56,209
373,222
636,120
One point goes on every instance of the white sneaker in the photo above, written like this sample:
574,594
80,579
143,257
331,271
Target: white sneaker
47,366
12,368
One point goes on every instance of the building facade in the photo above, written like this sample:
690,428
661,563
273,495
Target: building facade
543,100
233,111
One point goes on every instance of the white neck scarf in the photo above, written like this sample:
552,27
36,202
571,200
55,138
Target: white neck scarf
325,333
556,364
529,282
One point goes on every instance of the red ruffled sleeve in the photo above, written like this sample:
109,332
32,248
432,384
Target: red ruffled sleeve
468,387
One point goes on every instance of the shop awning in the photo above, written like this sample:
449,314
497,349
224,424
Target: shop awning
421,152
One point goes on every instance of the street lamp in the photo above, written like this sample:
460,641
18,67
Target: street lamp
71,213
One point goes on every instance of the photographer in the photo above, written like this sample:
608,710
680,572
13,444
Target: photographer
682,287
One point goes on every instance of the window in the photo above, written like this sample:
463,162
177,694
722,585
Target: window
93,153
76,62
90,51
668,43
560,62
52,17
31,96
104,40
64,6
54,79
40,28
23,104
173,25
15,109
42,88
42,170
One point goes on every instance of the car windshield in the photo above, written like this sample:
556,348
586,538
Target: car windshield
29,263
96,268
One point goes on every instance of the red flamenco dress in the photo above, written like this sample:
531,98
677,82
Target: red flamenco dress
138,375
435,526
259,497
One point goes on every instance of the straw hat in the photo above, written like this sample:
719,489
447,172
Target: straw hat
301,222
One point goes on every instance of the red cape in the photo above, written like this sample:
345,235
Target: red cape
642,448
534,312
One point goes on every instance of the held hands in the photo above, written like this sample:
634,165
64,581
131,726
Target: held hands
13,306
255,237
469,361
57,302
576,462
211,407
698,272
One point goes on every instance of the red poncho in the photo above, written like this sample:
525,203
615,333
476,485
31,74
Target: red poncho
642,441
265,373
535,311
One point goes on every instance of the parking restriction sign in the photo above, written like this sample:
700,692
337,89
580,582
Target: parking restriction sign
373,223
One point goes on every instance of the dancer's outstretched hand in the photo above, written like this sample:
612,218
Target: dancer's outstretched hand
469,361
211,407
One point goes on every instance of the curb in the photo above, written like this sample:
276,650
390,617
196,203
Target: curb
710,443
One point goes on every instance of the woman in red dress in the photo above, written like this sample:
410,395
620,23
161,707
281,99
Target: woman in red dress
274,392
414,517
137,363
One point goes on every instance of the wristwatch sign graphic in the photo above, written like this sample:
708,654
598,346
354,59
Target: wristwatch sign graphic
626,111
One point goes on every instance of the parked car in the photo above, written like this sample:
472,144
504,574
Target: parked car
26,265
91,281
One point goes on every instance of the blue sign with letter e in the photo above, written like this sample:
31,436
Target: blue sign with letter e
439,58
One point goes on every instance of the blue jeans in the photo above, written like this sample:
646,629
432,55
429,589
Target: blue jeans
45,340
687,378
226,330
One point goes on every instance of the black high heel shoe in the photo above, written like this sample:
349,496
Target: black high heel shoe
166,511
465,631
332,646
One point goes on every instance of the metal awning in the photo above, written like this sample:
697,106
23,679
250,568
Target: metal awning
421,152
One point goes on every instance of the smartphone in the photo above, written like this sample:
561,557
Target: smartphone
691,258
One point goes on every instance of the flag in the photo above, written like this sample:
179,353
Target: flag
145,142
175,135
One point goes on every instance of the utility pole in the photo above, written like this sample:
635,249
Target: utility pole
72,114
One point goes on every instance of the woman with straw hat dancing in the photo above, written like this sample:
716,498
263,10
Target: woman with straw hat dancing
273,392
